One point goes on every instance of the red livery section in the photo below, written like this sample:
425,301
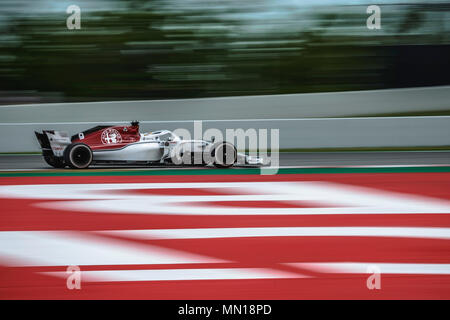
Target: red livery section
104,137
286,236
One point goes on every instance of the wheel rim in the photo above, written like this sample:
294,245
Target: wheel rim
225,154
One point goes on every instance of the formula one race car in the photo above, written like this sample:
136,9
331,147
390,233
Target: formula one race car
126,145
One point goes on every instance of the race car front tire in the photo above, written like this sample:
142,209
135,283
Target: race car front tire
78,156
224,155
55,162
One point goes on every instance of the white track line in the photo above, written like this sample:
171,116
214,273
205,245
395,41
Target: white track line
332,198
58,248
180,274
120,122
211,233
383,268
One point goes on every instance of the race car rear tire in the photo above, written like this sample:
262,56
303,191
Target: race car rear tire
224,155
78,156
55,162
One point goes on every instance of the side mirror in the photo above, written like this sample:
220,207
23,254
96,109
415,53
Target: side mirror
213,139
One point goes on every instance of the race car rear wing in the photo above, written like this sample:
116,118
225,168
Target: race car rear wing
53,142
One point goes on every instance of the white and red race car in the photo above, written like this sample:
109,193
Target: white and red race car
126,145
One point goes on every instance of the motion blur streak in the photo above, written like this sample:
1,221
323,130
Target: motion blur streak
177,48
387,268
157,255
40,248
181,274
209,233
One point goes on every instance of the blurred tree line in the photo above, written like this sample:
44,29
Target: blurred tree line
146,53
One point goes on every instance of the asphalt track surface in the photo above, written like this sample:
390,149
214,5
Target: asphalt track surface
32,162
345,233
